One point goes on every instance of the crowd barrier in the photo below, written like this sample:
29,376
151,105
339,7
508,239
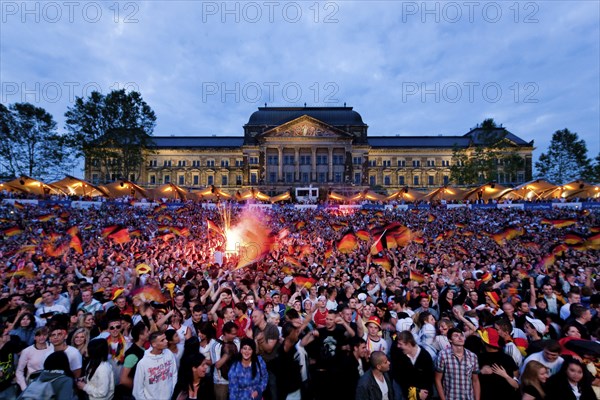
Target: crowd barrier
373,207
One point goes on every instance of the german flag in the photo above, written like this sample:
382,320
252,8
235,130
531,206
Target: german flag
160,207
559,249
595,229
24,272
164,228
547,261
467,233
143,269
486,277
300,225
46,217
403,237
75,244
363,235
593,242
18,206
56,251
348,243
14,231
181,231
166,237
461,250
328,252
383,262
558,223
304,281
163,217
416,276
73,231
430,218
379,214
135,233
421,255
337,227
27,249
214,227
531,245
318,218
439,238
460,225
121,236
419,240
571,238
108,230
292,261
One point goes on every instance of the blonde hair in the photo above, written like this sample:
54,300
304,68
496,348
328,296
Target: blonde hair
83,348
530,376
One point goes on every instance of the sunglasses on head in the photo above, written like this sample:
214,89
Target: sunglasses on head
112,328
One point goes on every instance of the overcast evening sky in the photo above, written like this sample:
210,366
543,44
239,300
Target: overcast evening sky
409,68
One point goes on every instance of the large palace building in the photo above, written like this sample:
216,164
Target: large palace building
285,147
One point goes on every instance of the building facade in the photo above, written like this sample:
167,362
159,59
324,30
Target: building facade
285,147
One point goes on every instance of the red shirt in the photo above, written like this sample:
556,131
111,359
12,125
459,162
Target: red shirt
320,317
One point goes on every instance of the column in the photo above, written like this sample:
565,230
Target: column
330,161
280,171
296,164
313,160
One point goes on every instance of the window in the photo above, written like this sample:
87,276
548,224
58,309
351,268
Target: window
446,180
224,163
289,177
95,179
95,162
166,163
338,159
387,163
520,177
113,177
210,163
288,160
445,163
460,163
253,178
272,177
239,163
337,177
402,163
386,180
181,180
372,163
321,160
401,180
306,160
195,163
430,180
357,178
210,180
305,177
152,179
238,180
224,180
167,179
372,180
253,160
357,160
181,163
415,180
272,160
196,180
322,177
416,163
153,163
431,163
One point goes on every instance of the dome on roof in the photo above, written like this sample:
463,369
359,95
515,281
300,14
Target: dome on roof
334,116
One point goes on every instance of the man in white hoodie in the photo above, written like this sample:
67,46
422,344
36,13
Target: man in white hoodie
156,373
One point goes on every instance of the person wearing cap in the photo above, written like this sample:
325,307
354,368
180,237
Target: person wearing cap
287,285
321,311
535,330
373,337
498,370
457,370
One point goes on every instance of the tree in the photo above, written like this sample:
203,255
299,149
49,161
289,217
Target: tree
566,159
594,175
112,132
30,144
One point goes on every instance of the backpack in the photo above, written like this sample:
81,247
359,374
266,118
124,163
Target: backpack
39,390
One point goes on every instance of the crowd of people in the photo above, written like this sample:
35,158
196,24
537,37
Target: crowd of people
456,309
